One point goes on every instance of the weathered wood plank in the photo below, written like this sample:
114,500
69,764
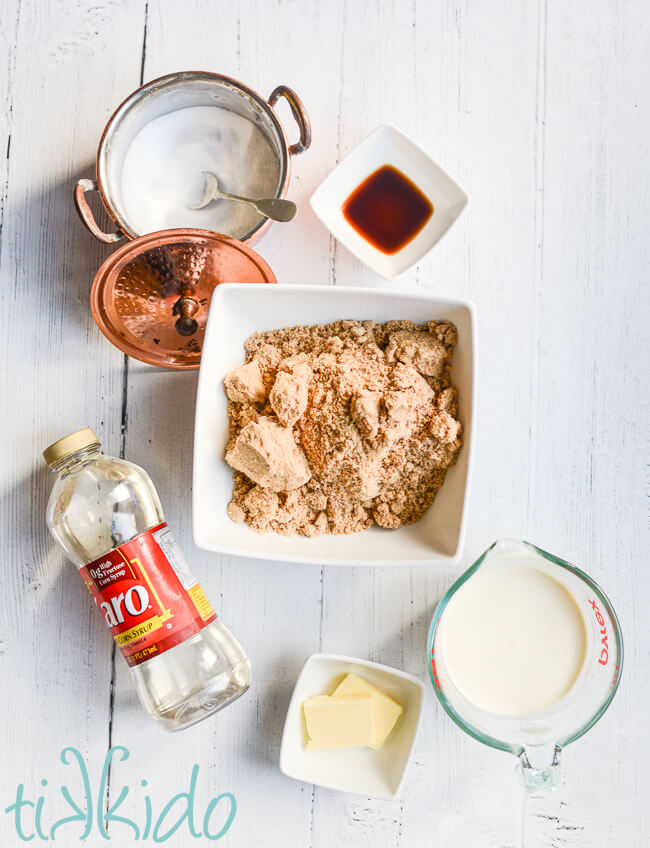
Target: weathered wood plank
63,69
588,497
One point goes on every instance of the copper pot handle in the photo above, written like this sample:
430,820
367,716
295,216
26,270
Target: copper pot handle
299,113
86,213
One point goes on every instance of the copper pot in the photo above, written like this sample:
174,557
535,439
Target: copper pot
176,91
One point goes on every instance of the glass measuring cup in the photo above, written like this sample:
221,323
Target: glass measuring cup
538,738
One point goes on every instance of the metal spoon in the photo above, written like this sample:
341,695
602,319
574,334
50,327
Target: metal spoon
271,207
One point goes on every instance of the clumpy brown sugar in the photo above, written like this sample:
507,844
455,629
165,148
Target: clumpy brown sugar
337,427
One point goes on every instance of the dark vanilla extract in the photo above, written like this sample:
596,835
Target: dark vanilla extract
387,209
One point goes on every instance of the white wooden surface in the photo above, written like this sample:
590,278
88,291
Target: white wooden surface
541,111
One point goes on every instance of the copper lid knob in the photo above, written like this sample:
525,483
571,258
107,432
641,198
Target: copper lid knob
185,308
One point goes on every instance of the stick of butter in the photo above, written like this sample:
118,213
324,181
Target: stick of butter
346,722
386,710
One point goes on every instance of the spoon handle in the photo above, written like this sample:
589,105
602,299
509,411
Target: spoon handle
276,208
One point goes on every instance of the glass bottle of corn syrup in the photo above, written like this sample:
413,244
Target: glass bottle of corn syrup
106,515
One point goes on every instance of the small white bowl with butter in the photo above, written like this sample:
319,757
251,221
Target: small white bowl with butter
346,697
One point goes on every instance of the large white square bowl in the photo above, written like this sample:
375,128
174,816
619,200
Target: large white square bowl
236,312
362,771
389,146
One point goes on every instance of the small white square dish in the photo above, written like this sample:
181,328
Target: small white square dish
389,146
236,312
362,771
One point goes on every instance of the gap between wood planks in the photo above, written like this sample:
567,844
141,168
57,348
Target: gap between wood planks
124,422
538,219
11,66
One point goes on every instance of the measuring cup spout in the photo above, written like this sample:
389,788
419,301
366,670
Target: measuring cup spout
540,768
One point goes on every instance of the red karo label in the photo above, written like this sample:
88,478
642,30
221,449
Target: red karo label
149,599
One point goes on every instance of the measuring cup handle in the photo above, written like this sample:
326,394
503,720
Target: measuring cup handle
299,113
86,213
538,773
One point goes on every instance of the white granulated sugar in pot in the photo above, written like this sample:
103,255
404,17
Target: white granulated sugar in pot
162,172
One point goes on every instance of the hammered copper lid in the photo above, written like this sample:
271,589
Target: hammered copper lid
150,298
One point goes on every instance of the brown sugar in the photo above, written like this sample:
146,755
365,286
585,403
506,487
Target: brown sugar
266,453
337,427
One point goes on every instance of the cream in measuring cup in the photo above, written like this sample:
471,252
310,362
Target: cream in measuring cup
525,655
514,638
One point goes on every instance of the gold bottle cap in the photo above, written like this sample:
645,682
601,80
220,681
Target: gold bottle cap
70,444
